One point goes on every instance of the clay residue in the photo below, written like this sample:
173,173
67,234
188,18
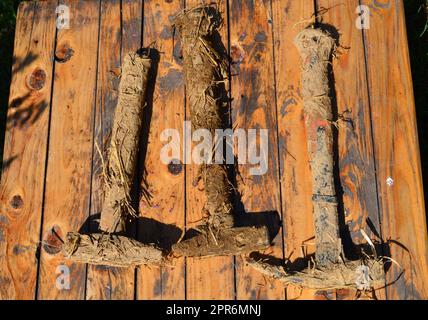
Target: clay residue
119,168
110,250
362,274
206,75
226,241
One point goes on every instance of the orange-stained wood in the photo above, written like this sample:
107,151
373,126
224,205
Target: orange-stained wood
398,168
254,107
23,174
68,178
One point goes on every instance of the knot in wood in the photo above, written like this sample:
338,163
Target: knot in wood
64,53
37,79
16,202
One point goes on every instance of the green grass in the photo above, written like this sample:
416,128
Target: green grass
417,29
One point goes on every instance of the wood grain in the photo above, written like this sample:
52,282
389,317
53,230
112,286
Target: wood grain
106,283
22,183
399,181
163,216
132,25
207,278
254,107
68,178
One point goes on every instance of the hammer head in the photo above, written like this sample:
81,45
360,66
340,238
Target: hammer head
224,242
359,274
110,250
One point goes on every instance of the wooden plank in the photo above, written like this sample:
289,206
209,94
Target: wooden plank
290,17
68,177
163,217
400,190
218,283
132,15
106,283
254,107
21,189
356,154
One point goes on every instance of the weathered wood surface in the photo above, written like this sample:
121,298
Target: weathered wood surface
68,176
23,175
62,103
253,106
395,137
163,212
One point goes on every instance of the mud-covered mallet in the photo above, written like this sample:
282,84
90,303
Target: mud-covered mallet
108,247
330,270
206,73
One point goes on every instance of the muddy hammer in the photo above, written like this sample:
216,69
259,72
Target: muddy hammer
109,247
206,72
330,269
